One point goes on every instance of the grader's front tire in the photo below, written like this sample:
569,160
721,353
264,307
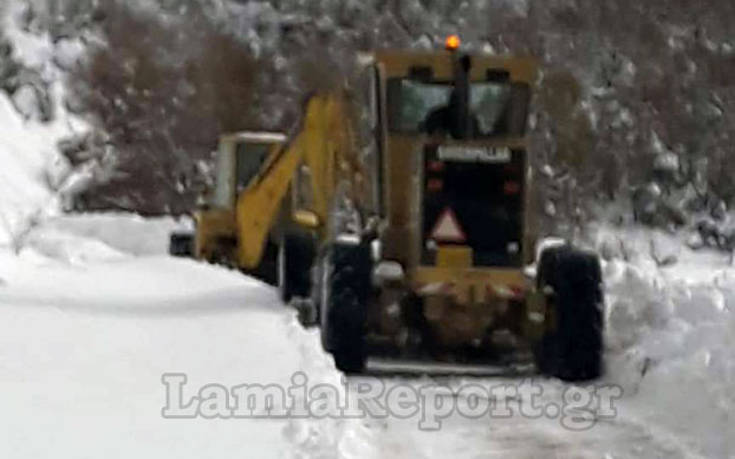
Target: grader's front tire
344,305
296,254
572,349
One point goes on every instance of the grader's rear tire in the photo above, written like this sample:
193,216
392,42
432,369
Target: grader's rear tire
344,305
572,349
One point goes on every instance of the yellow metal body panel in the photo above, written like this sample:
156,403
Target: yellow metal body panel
488,276
465,281
212,225
454,257
399,63
258,206
322,144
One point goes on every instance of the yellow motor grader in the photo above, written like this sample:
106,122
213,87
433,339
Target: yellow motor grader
401,212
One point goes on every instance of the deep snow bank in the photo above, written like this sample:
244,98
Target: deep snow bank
78,239
671,336
73,237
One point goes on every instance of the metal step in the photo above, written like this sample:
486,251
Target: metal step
377,366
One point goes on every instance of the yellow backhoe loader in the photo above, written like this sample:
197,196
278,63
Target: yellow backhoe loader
240,157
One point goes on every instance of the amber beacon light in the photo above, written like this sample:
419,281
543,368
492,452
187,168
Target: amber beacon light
453,42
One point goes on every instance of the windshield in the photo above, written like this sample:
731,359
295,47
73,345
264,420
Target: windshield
489,103
427,107
249,158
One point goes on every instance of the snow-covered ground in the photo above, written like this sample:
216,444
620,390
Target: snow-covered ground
671,335
88,330
83,350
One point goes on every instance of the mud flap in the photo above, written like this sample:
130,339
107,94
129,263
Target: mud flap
535,321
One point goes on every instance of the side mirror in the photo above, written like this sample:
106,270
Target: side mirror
306,218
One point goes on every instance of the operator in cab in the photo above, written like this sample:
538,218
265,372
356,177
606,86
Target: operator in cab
446,119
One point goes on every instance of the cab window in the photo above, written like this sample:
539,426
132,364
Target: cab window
249,157
223,196
495,108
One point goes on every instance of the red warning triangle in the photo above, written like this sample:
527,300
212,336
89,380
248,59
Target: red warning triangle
447,228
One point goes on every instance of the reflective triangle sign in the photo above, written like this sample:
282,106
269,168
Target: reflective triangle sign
447,228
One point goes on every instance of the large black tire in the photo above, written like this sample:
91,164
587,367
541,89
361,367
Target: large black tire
295,258
572,349
181,244
267,269
345,297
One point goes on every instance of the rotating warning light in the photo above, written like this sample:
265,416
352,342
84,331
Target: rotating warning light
453,42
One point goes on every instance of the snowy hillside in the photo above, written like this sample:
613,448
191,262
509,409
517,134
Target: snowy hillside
35,178
617,107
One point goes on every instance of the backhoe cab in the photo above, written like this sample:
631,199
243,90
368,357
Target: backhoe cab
239,160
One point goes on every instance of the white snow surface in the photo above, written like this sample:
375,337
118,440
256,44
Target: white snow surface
670,336
83,350
85,340
88,329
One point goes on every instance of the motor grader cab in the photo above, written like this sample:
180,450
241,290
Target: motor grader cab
239,160
433,264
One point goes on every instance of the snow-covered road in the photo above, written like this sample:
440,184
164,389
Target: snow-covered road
86,335
82,351
520,437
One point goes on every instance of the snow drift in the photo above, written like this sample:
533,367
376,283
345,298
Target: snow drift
670,338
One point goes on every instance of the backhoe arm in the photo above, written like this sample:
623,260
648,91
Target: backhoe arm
316,145
259,203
